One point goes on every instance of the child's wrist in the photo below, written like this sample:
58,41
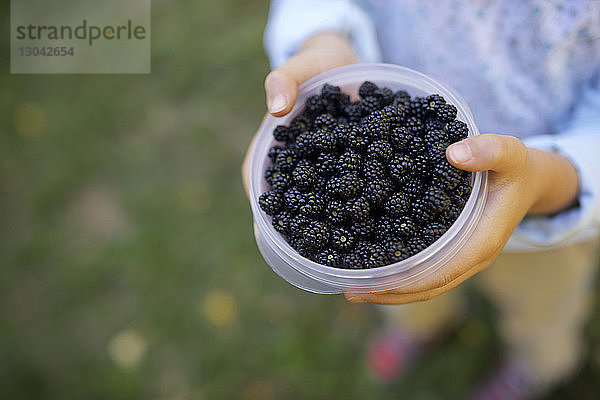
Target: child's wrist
554,182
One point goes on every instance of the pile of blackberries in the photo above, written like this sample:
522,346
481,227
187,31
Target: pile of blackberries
362,184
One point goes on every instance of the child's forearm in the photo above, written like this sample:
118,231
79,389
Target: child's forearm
556,182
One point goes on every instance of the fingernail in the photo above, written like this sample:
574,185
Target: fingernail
460,153
355,299
278,104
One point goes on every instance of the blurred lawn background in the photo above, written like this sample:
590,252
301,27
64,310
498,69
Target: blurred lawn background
129,267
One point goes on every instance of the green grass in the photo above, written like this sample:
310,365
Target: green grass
122,210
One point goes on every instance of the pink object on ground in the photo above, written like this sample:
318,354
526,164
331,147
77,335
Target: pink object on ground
390,353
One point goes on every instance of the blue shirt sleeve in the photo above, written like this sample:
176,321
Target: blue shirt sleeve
291,22
579,141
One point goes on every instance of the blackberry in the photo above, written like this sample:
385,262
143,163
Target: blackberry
334,99
400,138
316,234
281,133
286,160
297,225
304,144
434,102
466,177
383,116
446,113
324,140
387,96
401,168
304,175
446,176
416,146
413,188
397,205
349,161
401,97
370,104
380,150
437,154
313,206
346,186
281,222
417,108
343,100
376,128
395,249
326,164
373,169
433,124
314,105
357,139
463,189
394,114
372,254
421,165
367,89
328,257
273,151
280,181
378,190
300,246
293,199
353,111
270,202
384,227
450,214
320,187
330,92
271,171
352,260
433,232
457,130
458,203
431,203
436,136
342,134
415,245
301,123
336,213
358,209
325,122
414,126
362,229
404,227
342,240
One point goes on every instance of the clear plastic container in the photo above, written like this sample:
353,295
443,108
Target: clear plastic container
317,278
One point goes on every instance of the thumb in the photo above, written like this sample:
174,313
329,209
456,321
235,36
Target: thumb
500,153
281,85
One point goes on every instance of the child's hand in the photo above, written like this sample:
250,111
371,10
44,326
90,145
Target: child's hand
521,181
321,52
